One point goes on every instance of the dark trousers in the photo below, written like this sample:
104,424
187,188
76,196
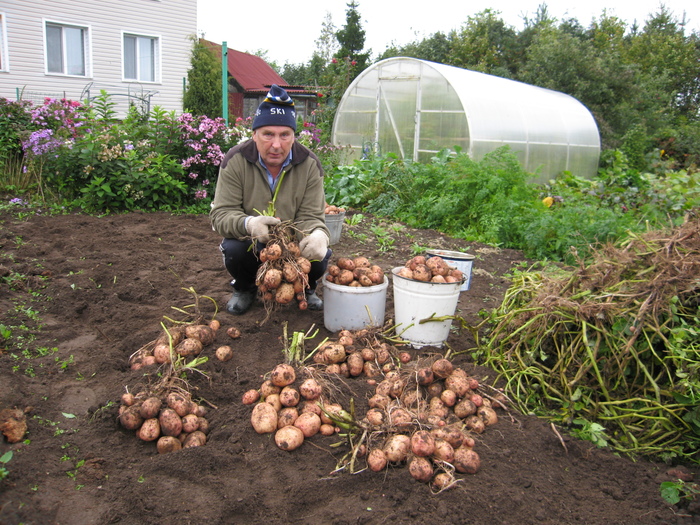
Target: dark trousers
242,263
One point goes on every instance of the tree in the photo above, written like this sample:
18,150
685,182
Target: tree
352,39
663,50
436,48
327,43
203,91
485,44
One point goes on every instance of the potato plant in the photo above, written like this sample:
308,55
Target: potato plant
283,274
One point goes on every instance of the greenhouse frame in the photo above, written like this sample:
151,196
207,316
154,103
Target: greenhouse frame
415,108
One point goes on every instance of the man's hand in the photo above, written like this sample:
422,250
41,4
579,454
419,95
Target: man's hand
314,246
259,227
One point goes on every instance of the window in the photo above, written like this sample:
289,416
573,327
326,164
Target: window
140,58
4,66
65,49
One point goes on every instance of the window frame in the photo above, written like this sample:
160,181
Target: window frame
4,57
156,62
86,48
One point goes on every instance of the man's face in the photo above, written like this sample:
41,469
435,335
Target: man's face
274,143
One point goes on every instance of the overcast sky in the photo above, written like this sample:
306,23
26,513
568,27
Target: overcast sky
288,31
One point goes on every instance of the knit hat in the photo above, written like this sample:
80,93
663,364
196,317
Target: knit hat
276,110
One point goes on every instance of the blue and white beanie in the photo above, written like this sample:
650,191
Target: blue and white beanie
276,110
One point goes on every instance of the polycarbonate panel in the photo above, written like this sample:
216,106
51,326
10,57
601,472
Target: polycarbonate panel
421,107
397,108
443,130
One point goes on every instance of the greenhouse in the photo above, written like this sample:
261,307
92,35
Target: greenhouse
415,108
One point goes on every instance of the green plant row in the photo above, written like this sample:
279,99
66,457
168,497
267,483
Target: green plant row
494,201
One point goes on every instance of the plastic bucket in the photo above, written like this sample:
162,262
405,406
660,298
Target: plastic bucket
459,260
353,307
415,301
335,225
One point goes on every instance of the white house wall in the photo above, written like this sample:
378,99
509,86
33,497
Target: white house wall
172,22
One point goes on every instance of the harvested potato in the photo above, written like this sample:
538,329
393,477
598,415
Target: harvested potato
150,407
195,439
178,402
168,444
309,423
190,423
251,396
131,418
224,353
264,418
289,438
202,332
150,430
189,347
170,422
283,375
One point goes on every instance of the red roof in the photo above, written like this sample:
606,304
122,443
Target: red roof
250,71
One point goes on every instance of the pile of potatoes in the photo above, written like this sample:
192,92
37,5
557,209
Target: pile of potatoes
187,341
290,409
331,209
173,420
283,275
353,355
430,414
356,271
423,414
430,269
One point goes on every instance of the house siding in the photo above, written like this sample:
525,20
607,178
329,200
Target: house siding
173,22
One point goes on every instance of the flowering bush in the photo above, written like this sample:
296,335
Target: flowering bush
85,156
15,122
205,142
64,117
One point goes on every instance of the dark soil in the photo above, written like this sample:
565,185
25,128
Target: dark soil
97,288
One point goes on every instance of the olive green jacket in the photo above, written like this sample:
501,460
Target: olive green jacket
242,188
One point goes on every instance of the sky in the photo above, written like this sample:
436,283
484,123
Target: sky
252,27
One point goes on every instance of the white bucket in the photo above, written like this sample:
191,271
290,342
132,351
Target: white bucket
335,225
415,301
459,260
353,307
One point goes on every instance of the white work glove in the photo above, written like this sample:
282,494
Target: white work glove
259,227
314,246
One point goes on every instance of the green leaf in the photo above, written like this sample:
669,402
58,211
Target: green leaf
670,492
69,416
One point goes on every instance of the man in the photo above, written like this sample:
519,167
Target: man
270,168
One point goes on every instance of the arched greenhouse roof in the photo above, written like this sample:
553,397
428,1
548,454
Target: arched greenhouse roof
415,108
